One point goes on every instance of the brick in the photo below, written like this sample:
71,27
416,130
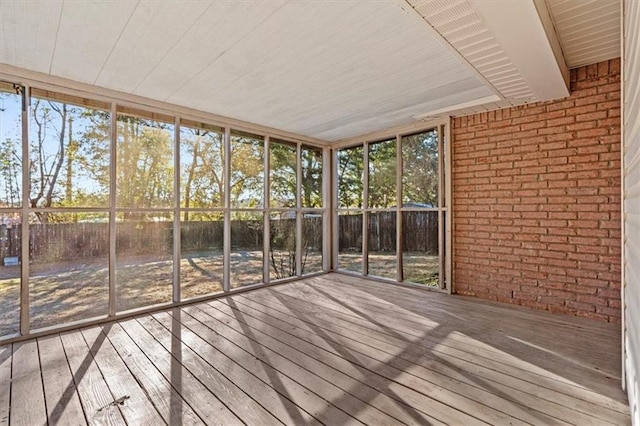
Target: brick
537,200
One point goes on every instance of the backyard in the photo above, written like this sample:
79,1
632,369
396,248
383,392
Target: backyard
63,292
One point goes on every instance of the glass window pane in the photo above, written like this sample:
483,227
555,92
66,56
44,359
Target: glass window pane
282,160
350,241
382,244
247,171
420,170
144,259
311,163
145,163
10,147
69,270
282,256
201,167
69,154
10,249
420,247
311,243
382,174
202,256
247,236
350,177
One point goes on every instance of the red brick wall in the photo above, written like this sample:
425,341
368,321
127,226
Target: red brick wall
536,200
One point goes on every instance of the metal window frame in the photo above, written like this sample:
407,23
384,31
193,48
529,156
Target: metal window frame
112,210
443,129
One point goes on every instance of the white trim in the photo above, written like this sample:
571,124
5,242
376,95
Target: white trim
403,130
226,233
448,199
113,147
363,210
299,211
266,216
399,224
335,259
176,212
441,225
26,195
623,282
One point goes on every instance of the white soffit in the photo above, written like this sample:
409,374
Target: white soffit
507,42
589,30
324,69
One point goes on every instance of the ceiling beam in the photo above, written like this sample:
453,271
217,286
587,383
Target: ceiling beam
525,31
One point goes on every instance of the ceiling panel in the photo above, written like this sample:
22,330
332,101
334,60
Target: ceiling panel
219,29
153,29
315,67
589,30
28,33
325,69
104,21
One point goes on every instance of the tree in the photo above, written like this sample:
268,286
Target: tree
283,174
350,177
47,153
69,156
145,163
10,173
202,159
311,162
247,172
382,174
10,149
420,168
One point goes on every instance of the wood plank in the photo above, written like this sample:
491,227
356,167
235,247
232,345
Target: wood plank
61,395
457,302
527,406
262,392
391,366
136,408
207,405
566,342
232,396
168,402
268,367
412,349
581,368
95,396
27,394
319,351
312,358
5,382
443,303
309,389
446,348
485,340
476,313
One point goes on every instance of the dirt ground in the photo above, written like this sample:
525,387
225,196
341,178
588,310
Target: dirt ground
419,268
65,292
71,291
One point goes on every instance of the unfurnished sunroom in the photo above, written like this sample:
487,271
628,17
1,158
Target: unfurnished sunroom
231,212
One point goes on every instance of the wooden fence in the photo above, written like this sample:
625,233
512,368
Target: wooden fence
70,241
420,231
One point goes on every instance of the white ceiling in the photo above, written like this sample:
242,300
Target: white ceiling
324,69
589,30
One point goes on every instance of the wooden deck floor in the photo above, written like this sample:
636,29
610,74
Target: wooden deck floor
327,350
